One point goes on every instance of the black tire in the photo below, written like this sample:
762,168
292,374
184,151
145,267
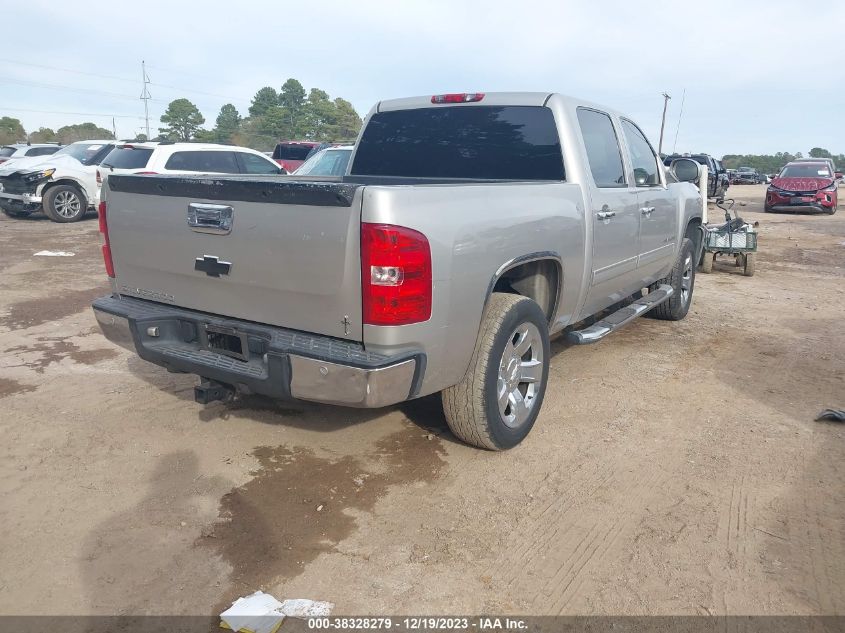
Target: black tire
766,208
750,262
707,262
681,278
16,214
65,203
472,406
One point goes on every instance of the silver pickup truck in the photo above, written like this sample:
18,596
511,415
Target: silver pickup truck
469,229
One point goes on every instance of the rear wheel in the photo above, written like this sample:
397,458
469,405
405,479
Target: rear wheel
497,402
64,203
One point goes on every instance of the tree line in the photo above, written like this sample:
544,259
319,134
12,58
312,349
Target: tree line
773,163
289,114
12,131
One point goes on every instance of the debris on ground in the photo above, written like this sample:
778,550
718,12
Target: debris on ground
54,254
834,415
262,613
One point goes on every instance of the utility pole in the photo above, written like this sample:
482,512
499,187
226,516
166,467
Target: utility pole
678,129
666,98
146,96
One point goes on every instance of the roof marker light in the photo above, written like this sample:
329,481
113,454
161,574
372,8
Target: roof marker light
458,97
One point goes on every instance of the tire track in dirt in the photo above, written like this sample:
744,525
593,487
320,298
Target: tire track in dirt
568,537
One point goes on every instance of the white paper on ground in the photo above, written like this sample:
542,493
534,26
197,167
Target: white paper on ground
54,254
258,612
301,608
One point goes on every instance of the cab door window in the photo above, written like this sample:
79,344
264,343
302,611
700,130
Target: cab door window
643,158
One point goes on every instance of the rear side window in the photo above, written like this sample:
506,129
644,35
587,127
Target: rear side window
7,151
42,151
128,157
252,164
203,162
643,158
477,142
603,152
287,151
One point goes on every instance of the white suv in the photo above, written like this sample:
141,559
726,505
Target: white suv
64,183
185,158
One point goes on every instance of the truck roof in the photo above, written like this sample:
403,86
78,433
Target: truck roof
488,99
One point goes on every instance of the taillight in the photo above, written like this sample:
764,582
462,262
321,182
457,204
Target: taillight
458,97
395,275
99,178
104,229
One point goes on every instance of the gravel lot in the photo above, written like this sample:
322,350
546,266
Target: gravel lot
675,468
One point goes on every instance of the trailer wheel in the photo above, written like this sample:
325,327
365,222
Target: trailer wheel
750,264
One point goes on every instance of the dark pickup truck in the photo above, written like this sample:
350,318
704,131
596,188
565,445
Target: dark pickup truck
717,176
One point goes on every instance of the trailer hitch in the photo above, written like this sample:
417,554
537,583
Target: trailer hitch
211,390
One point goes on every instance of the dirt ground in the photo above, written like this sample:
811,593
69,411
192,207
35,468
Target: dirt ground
675,467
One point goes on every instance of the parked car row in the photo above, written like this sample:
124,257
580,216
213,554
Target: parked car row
67,184
24,150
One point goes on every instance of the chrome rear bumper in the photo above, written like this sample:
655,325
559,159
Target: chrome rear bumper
279,363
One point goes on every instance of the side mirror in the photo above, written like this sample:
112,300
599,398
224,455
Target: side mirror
685,170
837,175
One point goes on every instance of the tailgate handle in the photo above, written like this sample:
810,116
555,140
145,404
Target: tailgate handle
210,218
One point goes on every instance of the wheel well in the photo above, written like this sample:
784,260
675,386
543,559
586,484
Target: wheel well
538,280
70,183
693,232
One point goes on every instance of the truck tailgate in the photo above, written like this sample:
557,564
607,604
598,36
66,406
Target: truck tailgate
277,251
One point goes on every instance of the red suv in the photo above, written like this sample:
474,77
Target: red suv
803,185
291,154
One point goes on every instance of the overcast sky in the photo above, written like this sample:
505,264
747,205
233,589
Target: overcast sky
760,76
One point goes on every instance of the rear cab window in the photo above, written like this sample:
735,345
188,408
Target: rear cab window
128,157
602,145
470,142
211,162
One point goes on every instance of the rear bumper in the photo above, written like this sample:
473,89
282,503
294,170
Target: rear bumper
279,363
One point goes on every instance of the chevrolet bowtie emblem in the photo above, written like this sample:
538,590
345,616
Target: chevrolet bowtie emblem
212,266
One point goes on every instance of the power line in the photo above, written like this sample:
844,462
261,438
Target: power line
114,78
67,70
98,114
38,84
678,129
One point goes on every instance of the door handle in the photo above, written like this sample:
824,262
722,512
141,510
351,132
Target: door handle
210,218
646,211
605,215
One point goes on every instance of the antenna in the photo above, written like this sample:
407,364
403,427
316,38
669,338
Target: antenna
678,129
666,98
146,96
